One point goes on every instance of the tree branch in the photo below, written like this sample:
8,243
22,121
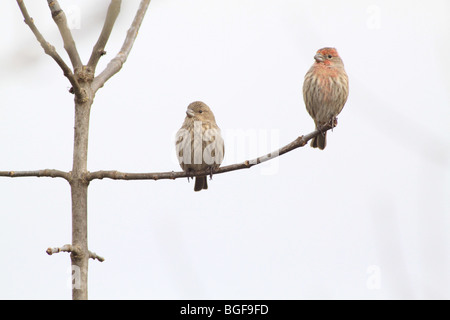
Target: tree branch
51,173
297,143
99,48
71,249
117,62
93,255
49,49
61,21
64,248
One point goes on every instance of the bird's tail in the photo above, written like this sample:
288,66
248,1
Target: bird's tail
200,183
319,141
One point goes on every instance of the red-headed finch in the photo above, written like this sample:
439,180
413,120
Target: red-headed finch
325,91
199,144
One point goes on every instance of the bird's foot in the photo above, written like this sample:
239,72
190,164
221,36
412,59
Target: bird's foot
333,122
190,174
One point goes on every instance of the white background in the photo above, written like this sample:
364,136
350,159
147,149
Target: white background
367,218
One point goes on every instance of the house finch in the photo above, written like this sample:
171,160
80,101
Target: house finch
199,144
325,91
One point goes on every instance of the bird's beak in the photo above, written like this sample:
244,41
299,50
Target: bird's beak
190,113
319,57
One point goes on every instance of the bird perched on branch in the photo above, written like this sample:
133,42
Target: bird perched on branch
199,144
325,91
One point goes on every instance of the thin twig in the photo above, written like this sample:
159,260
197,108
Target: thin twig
49,49
61,21
51,173
117,62
71,249
64,248
93,255
99,48
297,143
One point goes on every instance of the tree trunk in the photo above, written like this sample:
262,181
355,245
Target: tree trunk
79,190
84,86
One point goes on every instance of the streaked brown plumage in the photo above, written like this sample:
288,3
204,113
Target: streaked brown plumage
325,90
199,144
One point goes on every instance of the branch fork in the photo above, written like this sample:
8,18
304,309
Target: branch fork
84,86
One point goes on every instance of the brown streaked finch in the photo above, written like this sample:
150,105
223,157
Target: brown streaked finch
325,91
199,144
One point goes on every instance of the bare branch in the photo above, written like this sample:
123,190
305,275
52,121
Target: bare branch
49,49
93,255
117,62
99,48
61,21
297,143
51,173
71,249
64,248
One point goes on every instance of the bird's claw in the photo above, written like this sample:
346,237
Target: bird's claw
190,175
333,122
210,172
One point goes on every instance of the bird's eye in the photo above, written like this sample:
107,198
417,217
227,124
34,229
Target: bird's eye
330,56
200,111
